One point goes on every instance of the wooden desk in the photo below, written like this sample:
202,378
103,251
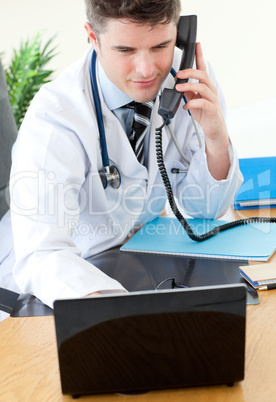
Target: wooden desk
29,365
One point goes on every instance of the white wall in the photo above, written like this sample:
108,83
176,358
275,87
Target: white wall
237,36
22,19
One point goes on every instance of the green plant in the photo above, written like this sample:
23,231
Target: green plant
26,73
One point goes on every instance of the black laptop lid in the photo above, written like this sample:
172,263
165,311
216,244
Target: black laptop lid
150,340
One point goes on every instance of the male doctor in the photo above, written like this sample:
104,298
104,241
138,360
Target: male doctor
61,213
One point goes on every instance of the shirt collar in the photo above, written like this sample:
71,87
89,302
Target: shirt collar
113,96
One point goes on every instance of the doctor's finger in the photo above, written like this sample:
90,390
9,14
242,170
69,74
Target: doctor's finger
198,75
200,63
199,90
202,105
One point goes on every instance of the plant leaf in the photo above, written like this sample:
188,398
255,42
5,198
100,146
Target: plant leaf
26,73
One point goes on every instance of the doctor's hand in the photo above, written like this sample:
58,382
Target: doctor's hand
203,103
94,294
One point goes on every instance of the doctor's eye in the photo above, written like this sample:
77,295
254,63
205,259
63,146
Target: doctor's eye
124,50
161,47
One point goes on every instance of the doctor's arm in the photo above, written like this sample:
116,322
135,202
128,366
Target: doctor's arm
44,197
204,105
213,174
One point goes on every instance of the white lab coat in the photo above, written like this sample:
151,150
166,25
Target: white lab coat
60,212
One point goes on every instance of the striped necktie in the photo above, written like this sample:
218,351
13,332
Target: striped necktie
141,120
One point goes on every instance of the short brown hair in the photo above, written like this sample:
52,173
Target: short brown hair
151,12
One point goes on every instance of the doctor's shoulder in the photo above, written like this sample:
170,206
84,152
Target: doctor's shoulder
63,92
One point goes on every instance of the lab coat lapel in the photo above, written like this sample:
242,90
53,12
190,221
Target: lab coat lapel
119,148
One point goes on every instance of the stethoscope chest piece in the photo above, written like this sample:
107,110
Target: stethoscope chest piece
110,175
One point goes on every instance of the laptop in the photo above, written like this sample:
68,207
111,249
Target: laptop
151,340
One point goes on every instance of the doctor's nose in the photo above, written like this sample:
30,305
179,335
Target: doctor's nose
145,66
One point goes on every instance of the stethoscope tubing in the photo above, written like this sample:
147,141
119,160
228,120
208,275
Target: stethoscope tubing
105,157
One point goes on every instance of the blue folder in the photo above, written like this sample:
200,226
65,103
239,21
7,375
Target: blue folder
165,235
259,187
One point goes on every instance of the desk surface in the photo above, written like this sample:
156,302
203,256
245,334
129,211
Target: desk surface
29,365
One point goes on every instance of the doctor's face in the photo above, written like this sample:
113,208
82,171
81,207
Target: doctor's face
136,58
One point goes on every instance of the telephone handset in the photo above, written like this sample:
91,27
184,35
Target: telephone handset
186,41
169,102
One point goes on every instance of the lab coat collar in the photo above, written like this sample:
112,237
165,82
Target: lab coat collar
119,145
128,163
120,151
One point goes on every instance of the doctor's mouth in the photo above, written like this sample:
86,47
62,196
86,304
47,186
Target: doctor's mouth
144,83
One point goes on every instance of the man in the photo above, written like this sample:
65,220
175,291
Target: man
61,213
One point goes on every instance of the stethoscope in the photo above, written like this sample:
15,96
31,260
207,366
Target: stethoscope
110,174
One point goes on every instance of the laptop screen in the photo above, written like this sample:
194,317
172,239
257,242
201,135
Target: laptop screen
149,340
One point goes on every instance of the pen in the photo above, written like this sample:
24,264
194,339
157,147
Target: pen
268,287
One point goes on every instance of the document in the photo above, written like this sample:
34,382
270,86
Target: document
165,235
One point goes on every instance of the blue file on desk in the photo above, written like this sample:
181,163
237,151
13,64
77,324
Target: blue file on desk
259,187
165,235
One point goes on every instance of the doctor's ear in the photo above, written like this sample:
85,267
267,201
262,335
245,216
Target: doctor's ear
91,34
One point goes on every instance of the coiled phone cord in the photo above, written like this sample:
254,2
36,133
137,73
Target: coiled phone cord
174,208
